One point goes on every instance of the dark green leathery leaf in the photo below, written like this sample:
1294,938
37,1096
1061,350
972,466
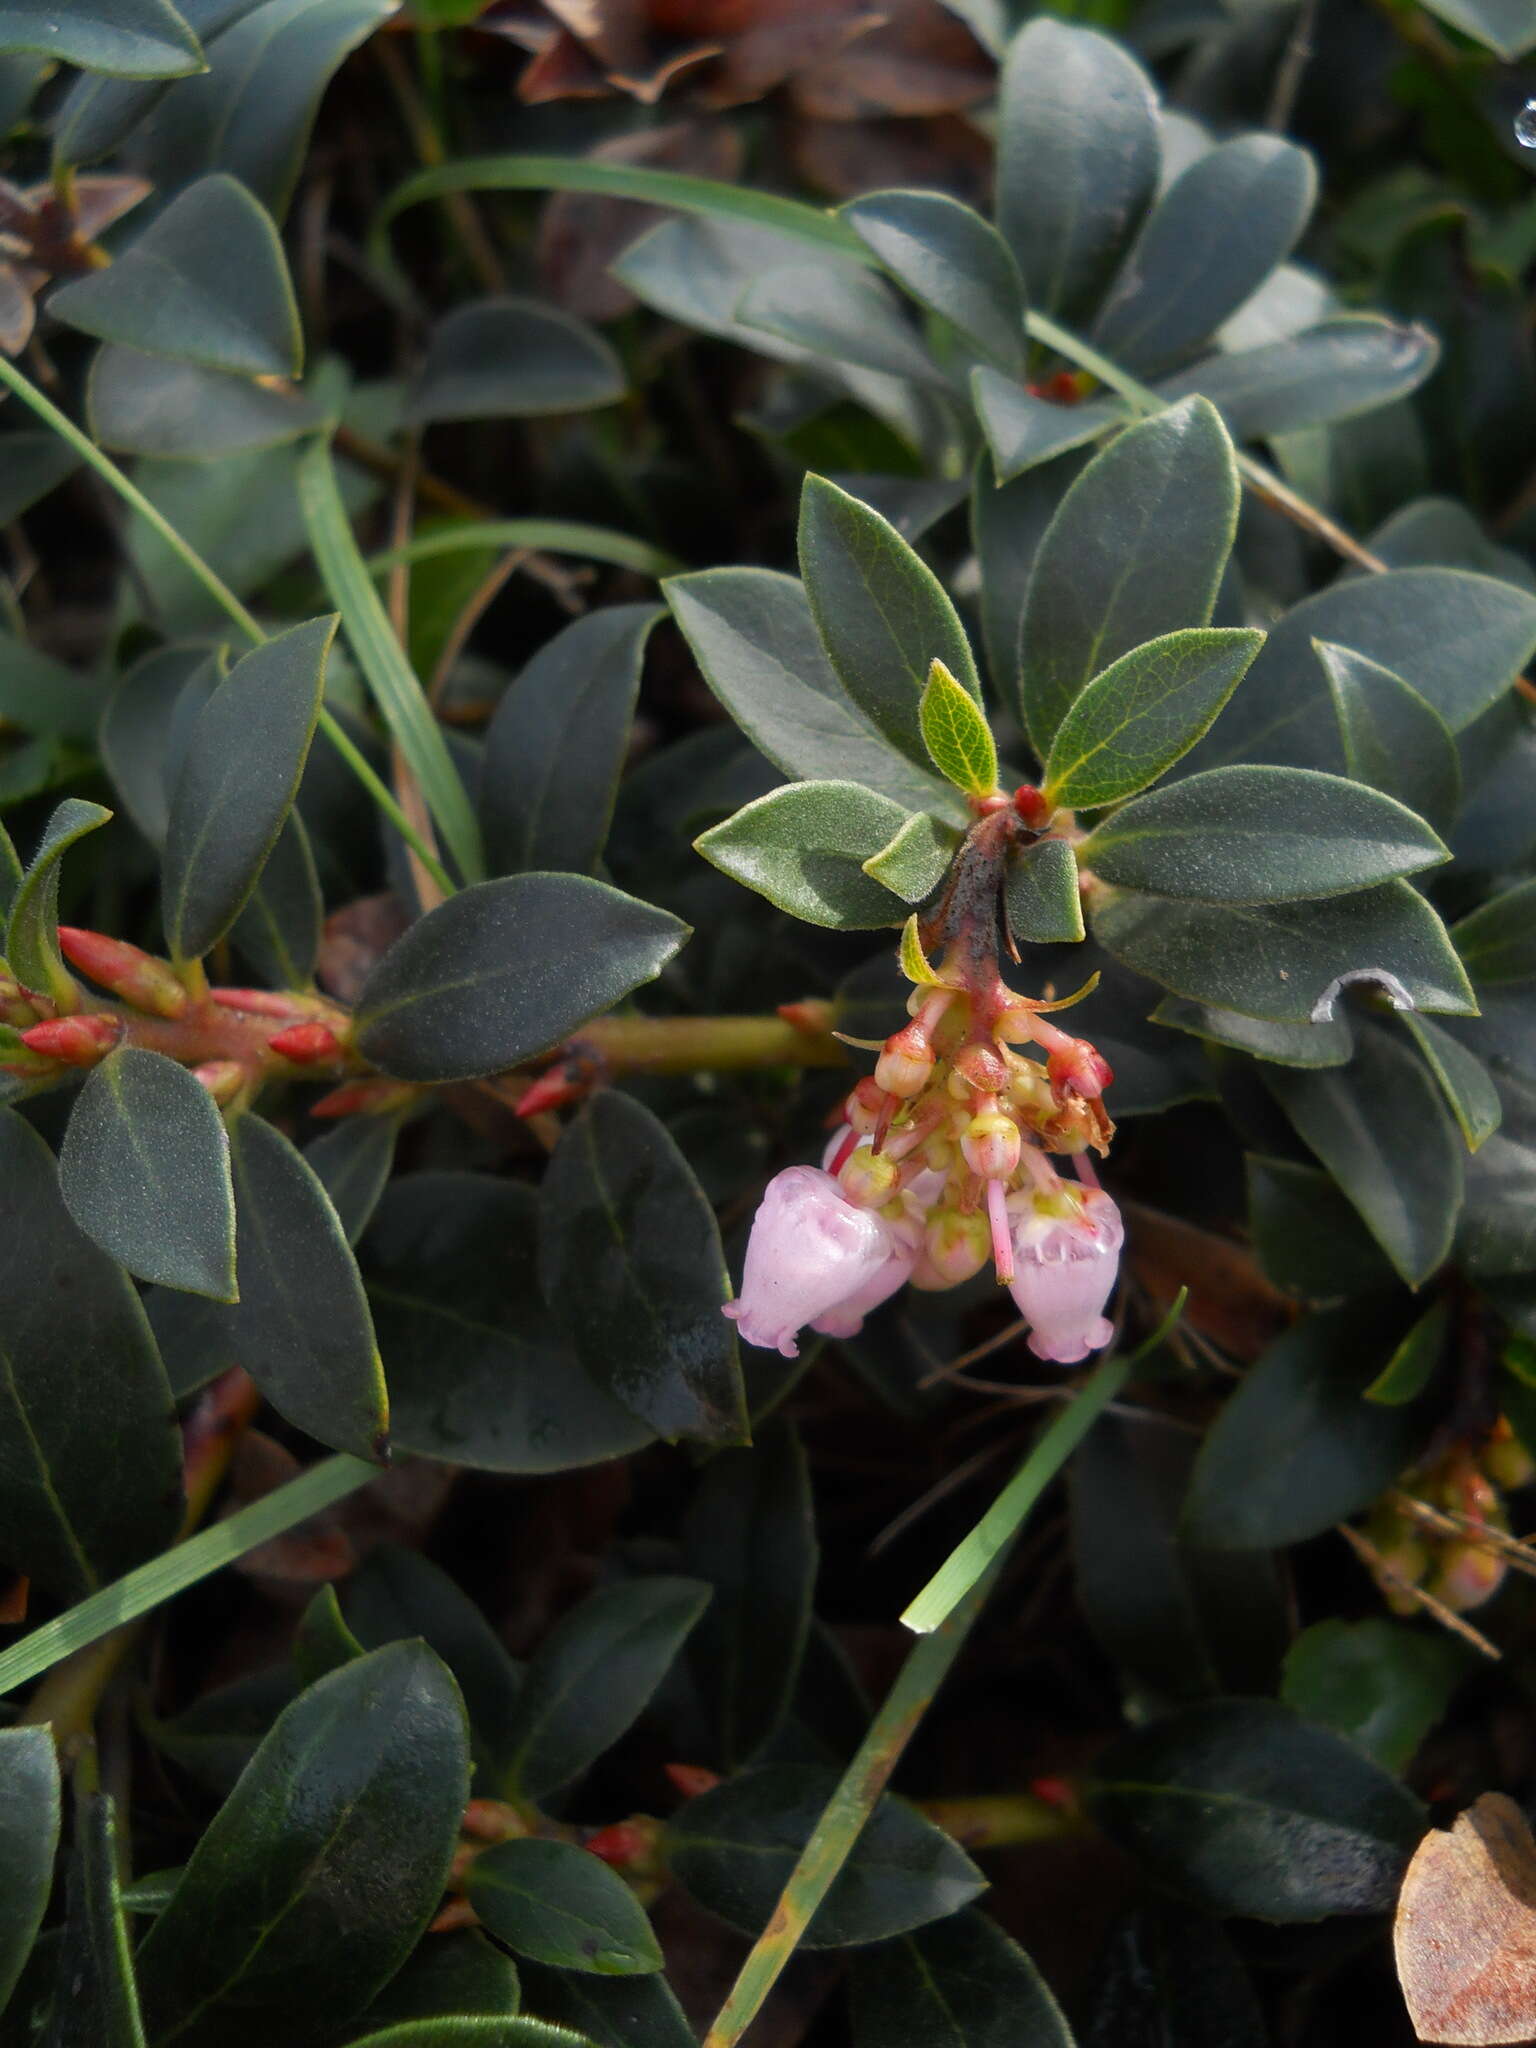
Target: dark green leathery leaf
29,1834
560,1905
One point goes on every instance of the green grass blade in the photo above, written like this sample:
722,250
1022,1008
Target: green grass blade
675,189
182,1566
395,689
549,536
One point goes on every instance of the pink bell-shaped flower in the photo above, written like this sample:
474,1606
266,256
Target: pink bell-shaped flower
847,1318
1064,1269
811,1254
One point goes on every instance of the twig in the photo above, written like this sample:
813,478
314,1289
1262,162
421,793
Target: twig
1293,63
1372,1558
1445,1522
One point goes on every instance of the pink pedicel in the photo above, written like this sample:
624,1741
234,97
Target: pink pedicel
812,1255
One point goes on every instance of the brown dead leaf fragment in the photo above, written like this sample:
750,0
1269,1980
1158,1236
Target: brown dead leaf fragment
1465,1933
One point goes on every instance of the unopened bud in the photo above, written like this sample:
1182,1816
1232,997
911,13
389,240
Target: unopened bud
991,1144
690,1780
869,1179
1506,1460
1468,1576
78,1041
1032,807
304,1044
866,1105
1078,1068
374,1096
16,1009
983,1066
259,1002
138,977
493,1820
222,1078
627,1844
905,1067
956,1245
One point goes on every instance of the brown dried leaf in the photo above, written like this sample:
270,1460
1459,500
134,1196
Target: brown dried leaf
355,940
1465,1933
920,60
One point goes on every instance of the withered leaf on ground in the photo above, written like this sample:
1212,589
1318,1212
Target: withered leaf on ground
1465,1933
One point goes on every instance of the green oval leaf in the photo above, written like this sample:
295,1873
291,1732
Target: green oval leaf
1393,739
1024,430
804,848
1382,1683
463,1974
915,859
950,260
1381,1129
733,1848
612,2012
99,2005
1077,160
1280,960
140,728
142,404
322,1642
1464,1081
32,933
29,1836
144,1171
1223,225
1144,712
1260,835
123,38
633,1271
1310,1241
1240,1807
1136,549
960,1983
1412,1365
352,1161
956,734
883,616
206,282
279,930
1042,898
507,969
237,784
751,1534
1348,364
1498,939
471,2031
848,316
1297,1447
556,745
560,1905
90,1486
321,1870
477,1373
753,636
513,358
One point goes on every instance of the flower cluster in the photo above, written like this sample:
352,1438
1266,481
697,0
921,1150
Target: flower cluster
1445,1530
943,1164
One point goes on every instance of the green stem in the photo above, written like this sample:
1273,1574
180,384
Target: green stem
218,590
182,1566
844,1817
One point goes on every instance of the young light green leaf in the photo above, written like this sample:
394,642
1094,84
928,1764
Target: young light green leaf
81,1501
32,931
29,1836
1041,895
916,858
1282,960
553,1902
950,260
144,1171
123,38
513,358
956,733
804,848
1393,738
1380,1127
1144,712
756,643
237,783
206,282
882,614
320,1872
1136,549
633,1271
507,969
556,745
1260,835
1077,160
1465,1082
592,1677
1225,223
1411,1367
96,2004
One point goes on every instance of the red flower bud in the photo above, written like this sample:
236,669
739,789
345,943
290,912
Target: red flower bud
258,1002
138,977
78,1041
304,1044
374,1096
554,1090
222,1078
620,1845
1032,807
692,1779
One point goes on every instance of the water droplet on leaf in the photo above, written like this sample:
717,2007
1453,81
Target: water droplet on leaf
1525,125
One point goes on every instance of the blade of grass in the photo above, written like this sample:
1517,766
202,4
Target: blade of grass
398,694
973,1556
210,580
810,224
182,1566
548,536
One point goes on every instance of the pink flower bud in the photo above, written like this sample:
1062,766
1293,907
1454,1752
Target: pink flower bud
990,1145
1064,1269
811,1253
868,1178
906,1065
957,1245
